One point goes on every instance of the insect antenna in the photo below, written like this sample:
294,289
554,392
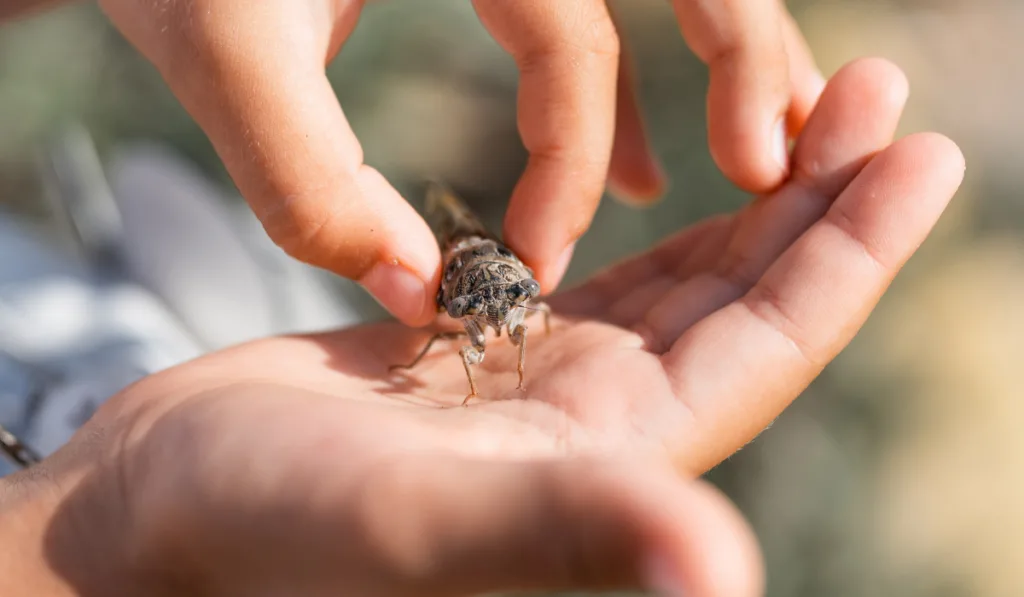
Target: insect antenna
528,308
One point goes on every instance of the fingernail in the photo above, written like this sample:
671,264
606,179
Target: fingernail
819,85
399,290
562,264
779,149
660,577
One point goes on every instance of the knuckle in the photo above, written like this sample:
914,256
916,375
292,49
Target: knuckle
296,225
581,160
319,232
588,31
840,218
599,36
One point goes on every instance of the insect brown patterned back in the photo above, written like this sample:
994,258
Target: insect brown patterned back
484,284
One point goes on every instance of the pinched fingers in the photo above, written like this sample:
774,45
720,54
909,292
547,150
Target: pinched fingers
252,75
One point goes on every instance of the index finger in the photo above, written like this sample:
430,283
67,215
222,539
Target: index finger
567,54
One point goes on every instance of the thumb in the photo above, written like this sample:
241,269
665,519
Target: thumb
291,152
479,527
254,81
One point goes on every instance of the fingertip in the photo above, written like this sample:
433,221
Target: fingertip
954,155
550,274
688,537
729,562
635,174
856,117
873,70
936,148
560,266
547,215
407,274
636,181
745,142
749,97
733,563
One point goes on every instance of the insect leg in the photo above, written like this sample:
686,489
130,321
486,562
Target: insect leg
518,336
473,354
434,338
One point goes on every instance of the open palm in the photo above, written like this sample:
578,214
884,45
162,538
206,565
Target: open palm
678,356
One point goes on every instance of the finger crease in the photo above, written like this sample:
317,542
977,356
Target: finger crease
765,304
735,270
561,155
840,220
296,244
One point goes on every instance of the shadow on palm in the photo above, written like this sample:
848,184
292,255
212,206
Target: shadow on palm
687,351
695,346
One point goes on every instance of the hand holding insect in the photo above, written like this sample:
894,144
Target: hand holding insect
297,465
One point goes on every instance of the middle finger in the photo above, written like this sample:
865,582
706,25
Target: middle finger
567,54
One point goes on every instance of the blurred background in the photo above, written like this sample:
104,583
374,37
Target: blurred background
899,472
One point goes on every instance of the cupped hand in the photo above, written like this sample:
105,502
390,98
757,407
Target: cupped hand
252,75
300,465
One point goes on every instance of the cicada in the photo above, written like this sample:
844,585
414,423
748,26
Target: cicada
483,285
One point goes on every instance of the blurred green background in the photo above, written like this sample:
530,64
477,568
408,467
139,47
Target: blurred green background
899,472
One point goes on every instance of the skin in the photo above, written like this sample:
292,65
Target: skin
299,465
252,76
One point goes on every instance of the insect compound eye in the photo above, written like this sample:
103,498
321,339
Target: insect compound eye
457,308
531,286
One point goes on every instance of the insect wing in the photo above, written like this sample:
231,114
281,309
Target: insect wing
450,218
